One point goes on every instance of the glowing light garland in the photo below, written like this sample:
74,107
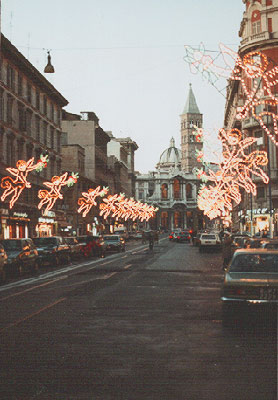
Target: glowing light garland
14,186
210,68
89,199
261,103
49,197
120,207
235,172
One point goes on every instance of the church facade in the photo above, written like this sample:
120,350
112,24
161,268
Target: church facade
173,186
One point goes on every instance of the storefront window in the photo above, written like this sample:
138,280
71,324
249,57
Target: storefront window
164,219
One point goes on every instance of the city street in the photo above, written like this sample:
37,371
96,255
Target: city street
136,325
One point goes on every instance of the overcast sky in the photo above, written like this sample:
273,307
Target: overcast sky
123,59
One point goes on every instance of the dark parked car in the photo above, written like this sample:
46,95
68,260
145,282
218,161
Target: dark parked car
3,261
270,244
52,250
92,246
251,281
75,247
114,243
22,256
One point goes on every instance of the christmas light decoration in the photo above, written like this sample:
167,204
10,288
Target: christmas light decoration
49,197
15,186
213,70
89,199
120,207
234,173
258,82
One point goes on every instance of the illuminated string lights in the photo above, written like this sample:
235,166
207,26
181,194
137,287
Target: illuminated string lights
118,206
89,199
211,69
49,197
234,173
13,186
258,82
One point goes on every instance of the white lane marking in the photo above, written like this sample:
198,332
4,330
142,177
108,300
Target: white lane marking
32,315
127,266
33,288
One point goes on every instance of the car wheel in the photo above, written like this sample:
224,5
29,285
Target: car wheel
20,269
3,275
56,261
36,266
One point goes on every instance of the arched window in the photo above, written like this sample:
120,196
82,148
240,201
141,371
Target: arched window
176,188
164,191
164,219
256,22
189,191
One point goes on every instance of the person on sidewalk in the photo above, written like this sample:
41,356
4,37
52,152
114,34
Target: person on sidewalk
227,249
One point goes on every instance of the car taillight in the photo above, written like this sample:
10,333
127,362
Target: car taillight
178,237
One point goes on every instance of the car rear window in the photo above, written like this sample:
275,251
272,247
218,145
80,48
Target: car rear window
45,241
12,244
111,238
254,263
213,237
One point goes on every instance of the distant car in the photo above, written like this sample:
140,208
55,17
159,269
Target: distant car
75,247
183,237
138,236
239,242
114,243
209,241
173,234
251,279
52,250
3,260
92,246
22,256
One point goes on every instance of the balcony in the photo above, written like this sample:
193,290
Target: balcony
258,37
249,123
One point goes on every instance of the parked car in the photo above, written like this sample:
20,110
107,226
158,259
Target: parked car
75,247
52,250
251,279
270,244
183,237
209,241
138,236
92,246
22,256
239,242
3,261
114,243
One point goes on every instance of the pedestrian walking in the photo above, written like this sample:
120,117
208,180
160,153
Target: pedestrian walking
227,249
151,242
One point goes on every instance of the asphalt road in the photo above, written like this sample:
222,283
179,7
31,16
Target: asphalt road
136,325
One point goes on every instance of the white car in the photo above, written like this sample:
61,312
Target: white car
209,240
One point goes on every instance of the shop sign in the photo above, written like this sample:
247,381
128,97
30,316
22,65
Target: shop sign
20,215
49,214
259,211
46,220
4,211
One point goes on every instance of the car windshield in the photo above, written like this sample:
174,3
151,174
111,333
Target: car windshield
45,241
111,238
70,240
12,244
271,246
208,237
254,263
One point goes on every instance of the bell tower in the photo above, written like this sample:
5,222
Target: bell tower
190,117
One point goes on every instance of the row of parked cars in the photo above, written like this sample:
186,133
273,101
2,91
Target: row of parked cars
18,256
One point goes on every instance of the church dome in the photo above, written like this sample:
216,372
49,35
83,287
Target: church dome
170,156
